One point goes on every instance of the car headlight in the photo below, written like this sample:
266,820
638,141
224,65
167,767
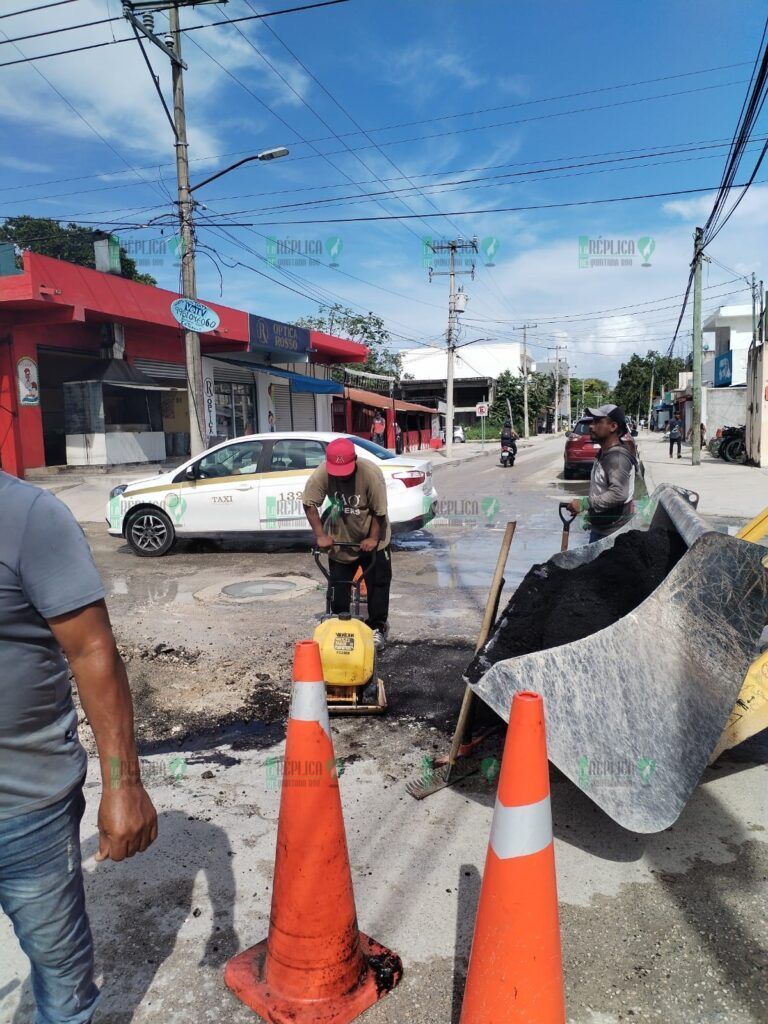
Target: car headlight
117,491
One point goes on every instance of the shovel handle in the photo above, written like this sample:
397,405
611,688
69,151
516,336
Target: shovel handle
562,508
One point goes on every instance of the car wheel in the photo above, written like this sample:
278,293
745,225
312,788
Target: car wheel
149,532
568,473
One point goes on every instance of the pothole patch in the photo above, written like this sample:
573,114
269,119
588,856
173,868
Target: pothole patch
256,589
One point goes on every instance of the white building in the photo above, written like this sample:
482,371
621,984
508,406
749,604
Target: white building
727,335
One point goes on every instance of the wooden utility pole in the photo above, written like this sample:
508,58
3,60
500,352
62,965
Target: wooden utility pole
698,256
525,328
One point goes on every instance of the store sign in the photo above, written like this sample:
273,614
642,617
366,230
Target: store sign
209,399
194,316
28,382
724,370
272,336
481,409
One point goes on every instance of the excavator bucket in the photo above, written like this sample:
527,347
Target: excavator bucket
636,709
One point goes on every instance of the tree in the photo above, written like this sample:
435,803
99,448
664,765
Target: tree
541,393
595,392
367,328
633,388
71,242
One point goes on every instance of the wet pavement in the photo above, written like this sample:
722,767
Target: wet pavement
660,929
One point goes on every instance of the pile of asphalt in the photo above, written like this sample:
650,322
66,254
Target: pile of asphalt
555,606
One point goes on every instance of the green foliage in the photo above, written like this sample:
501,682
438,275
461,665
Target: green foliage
70,242
632,390
541,393
367,328
596,392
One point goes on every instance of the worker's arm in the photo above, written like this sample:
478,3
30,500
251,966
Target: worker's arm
322,539
127,820
375,533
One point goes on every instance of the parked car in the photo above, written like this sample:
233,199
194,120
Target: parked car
253,486
458,434
581,451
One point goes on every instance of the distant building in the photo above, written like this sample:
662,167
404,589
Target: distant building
727,335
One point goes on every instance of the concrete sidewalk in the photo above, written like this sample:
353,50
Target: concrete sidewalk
724,488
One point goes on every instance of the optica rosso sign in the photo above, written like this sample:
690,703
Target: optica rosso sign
194,315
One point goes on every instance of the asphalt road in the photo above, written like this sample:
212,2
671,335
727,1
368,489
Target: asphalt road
661,929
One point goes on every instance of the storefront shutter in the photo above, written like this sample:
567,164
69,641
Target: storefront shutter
304,412
281,396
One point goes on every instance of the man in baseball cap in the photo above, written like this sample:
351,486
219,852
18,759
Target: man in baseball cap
612,483
354,529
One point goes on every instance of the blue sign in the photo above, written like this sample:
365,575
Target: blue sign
723,370
194,316
280,339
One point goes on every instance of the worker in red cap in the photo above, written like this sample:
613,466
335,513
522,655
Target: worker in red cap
356,516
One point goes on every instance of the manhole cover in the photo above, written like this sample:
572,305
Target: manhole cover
257,588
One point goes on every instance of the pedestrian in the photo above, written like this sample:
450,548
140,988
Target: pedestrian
676,431
398,439
379,429
52,606
357,517
702,434
612,482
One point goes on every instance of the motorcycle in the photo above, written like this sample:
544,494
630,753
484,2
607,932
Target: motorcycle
733,447
508,452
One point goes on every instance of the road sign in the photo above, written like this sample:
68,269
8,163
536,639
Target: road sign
481,409
194,316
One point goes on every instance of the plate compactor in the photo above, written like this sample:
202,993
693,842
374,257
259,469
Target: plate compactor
348,652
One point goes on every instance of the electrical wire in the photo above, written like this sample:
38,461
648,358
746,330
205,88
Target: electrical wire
40,7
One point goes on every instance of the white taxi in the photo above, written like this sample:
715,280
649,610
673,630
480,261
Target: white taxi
253,485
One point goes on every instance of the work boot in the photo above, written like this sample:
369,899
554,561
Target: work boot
380,636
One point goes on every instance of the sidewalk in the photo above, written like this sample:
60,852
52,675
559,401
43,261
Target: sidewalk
724,488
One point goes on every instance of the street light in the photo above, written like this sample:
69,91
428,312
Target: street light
266,154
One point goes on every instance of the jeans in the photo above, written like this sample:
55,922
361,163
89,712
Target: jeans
672,442
41,891
377,581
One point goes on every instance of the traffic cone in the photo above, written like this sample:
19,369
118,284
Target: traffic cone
515,968
315,967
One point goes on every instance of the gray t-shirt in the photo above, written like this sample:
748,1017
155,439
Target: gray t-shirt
46,569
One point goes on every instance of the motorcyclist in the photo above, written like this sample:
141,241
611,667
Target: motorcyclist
509,437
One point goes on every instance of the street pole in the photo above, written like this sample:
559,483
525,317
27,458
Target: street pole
650,394
526,425
557,389
198,440
696,425
754,311
583,397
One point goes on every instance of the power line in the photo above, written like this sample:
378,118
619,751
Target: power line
189,28
40,7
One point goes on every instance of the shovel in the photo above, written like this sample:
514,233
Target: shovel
566,518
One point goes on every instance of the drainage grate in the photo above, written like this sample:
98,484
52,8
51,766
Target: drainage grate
250,589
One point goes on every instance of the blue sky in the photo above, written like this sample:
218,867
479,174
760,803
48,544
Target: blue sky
472,92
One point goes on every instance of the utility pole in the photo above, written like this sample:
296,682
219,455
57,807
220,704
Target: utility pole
455,300
525,328
698,256
650,394
198,439
557,389
754,310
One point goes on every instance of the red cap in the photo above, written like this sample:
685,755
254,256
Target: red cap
340,458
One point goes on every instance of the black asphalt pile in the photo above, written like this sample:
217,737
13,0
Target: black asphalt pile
554,606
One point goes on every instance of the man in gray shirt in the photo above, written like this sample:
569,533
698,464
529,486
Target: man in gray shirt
52,605
612,483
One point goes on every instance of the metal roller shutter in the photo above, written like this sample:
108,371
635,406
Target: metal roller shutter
304,412
281,396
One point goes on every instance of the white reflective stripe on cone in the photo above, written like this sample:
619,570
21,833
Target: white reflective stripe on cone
520,831
309,704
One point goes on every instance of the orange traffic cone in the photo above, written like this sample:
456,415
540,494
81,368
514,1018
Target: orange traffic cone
315,967
515,968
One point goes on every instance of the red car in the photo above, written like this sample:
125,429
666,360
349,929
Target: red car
581,451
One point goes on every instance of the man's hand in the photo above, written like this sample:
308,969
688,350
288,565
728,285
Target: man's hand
324,542
368,545
575,506
127,822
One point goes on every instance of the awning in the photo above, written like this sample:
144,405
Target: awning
375,401
300,384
